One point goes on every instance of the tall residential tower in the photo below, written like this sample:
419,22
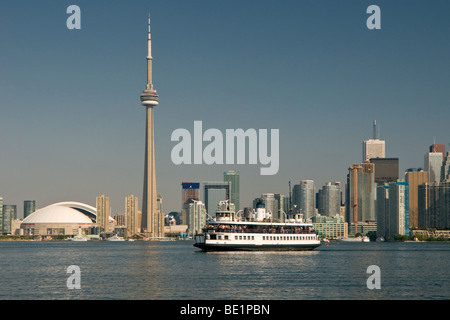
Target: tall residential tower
152,219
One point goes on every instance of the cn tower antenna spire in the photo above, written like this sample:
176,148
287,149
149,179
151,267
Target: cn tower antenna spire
149,56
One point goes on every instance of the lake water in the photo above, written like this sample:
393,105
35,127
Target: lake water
177,270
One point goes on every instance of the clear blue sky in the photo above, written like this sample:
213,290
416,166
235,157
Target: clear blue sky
72,127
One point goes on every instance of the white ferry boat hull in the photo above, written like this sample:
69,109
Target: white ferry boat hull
249,247
257,242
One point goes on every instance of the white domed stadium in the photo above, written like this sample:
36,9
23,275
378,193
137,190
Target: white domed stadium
63,218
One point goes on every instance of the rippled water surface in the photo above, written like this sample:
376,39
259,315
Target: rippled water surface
177,270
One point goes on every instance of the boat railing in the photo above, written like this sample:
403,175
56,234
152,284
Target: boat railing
268,231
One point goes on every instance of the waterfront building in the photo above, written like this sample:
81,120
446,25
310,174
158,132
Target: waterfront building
63,218
9,213
386,169
29,206
152,224
102,209
303,198
360,204
414,177
434,205
121,220
362,227
195,215
233,177
393,209
132,215
330,199
330,227
214,192
433,165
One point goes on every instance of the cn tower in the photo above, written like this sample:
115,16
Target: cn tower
152,220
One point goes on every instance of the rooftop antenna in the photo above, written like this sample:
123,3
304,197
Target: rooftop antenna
374,129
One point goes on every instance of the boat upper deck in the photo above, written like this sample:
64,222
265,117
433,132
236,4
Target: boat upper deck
276,228
257,221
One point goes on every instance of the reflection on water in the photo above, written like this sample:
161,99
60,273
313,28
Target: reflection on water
177,270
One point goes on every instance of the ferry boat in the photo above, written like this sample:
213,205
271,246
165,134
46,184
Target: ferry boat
256,232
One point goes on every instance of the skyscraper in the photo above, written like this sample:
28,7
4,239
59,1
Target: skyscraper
283,206
330,199
152,220
393,209
386,169
415,177
190,190
303,198
433,164
195,215
438,148
374,148
445,174
233,177
131,215
9,213
361,193
1,215
102,206
434,205
29,206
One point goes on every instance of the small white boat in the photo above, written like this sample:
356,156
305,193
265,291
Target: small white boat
78,239
355,239
115,238
130,239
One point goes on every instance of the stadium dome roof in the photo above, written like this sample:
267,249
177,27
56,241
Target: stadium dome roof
63,212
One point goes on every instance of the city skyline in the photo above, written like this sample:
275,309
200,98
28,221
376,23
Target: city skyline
72,127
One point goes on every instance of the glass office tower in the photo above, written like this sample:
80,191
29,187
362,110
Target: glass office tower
303,198
233,177
29,206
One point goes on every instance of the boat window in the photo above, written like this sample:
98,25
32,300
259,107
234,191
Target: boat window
213,237
226,237
264,237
